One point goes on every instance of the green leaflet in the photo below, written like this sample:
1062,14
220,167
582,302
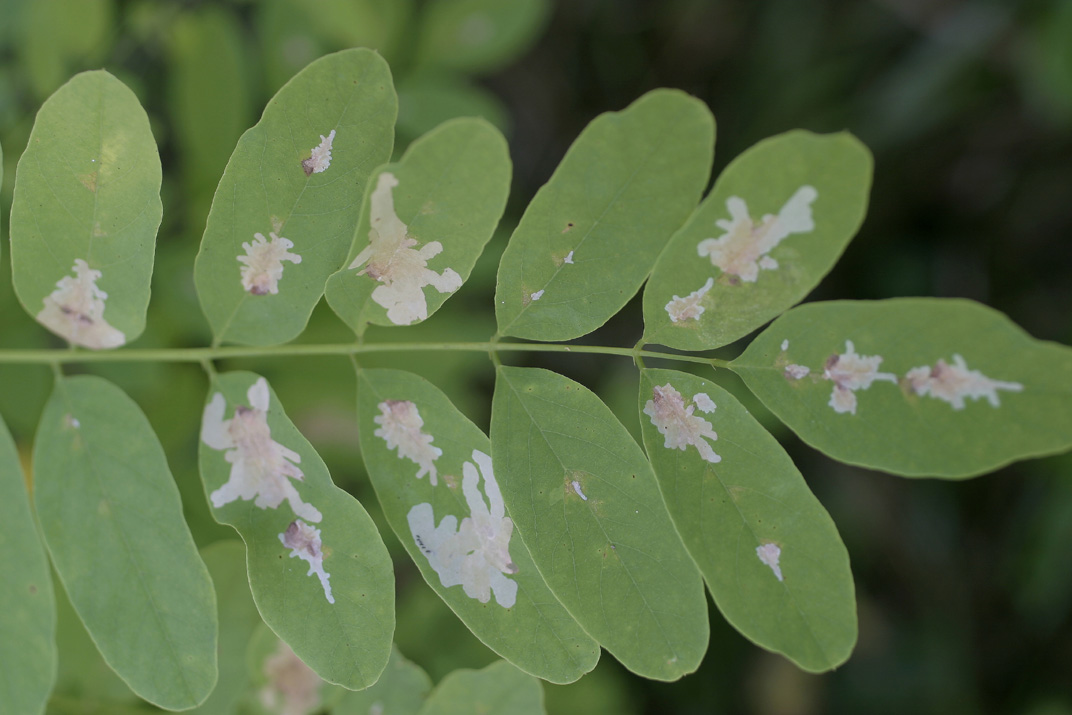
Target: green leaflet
238,621
519,618
28,624
590,236
111,517
85,213
584,499
428,99
928,386
57,36
333,604
479,35
401,690
425,222
769,552
280,683
776,222
499,689
290,228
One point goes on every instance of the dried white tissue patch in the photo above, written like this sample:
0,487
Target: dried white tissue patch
476,554
850,372
568,258
677,423
953,383
703,402
577,488
796,372
400,426
392,260
320,156
263,263
785,345
742,250
261,469
770,554
292,688
75,310
688,308
304,542
536,296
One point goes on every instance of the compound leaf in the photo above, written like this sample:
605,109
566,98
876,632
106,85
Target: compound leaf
592,233
769,552
320,574
28,605
408,427
585,501
499,689
401,690
913,386
87,203
425,221
285,210
112,520
776,222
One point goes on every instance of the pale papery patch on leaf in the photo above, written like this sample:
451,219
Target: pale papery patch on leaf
742,249
954,383
75,310
320,156
704,402
261,468
677,423
851,372
688,308
400,427
771,554
262,267
474,555
304,543
797,372
293,688
391,259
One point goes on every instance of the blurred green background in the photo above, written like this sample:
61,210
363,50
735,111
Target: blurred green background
964,589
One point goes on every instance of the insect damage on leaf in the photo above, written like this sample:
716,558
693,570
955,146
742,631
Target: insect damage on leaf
320,156
850,372
704,402
261,469
400,426
953,383
392,260
75,310
292,688
678,425
476,554
770,554
304,542
796,372
263,263
688,308
743,249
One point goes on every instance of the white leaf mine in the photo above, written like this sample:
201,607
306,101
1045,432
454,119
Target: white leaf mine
688,308
785,345
304,543
677,423
293,688
577,488
704,403
262,267
536,296
954,383
796,372
75,310
400,427
261,469
742,250
569,258
770,554
850,372
320,156
391,259
474,555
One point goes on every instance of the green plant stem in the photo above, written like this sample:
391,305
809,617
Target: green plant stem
202,355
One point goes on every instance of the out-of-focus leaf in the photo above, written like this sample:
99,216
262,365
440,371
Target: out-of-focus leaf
427,100
280,683
87,202
401,690
27,604
499,689
424,222
57,36
586,503
769,552
479,35
320,574
776,222
913,386
289,199
590,236
517,615
112,520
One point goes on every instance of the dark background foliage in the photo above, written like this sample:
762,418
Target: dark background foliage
964,589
